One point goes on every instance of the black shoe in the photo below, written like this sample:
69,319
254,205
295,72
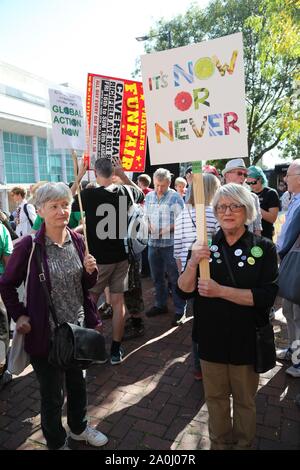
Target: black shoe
133,331
154,311
178,320
5,379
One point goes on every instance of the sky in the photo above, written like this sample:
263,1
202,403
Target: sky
64,40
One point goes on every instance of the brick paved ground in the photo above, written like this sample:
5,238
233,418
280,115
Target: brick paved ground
151,400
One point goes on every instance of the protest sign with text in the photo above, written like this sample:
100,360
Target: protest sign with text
116,121
195,101
68,126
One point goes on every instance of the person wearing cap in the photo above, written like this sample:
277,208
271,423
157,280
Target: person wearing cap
211,169
235,171
268,199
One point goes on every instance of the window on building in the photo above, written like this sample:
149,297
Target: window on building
69,167
50,163
18,159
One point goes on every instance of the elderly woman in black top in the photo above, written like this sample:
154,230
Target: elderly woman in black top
227,309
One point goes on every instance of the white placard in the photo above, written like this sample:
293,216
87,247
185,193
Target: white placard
67,117
195,101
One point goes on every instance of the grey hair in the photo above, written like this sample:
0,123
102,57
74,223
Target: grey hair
238,194
52,192
163,174
211,184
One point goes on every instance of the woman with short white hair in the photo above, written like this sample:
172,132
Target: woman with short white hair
227,310
68,274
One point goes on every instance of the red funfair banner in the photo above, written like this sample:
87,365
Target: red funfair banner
116,121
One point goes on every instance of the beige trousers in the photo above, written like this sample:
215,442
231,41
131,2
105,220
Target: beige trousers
221,381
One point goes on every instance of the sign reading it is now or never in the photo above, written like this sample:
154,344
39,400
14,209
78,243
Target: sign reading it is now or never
195,101
68,126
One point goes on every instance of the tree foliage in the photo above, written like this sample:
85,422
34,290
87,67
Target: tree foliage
271,34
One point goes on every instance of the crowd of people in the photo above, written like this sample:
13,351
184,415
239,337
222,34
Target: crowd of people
101,279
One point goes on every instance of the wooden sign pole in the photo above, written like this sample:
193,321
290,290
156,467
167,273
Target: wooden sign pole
75,164
199,200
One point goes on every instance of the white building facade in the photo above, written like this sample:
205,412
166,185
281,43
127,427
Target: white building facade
25,152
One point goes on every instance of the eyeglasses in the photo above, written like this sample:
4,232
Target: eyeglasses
239,173
251,182
222,208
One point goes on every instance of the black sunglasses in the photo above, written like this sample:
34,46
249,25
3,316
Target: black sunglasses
251,182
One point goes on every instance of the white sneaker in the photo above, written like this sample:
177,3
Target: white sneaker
90,436
294,371
284,354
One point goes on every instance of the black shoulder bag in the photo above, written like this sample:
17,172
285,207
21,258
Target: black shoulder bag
265,353
72,346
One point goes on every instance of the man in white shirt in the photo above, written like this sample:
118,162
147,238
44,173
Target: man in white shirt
293,181
26,213
290,310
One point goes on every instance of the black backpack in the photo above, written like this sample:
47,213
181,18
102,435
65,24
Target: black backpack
6,224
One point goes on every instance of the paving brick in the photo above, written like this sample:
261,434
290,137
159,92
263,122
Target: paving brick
153,429
189,442
160,400
143,413
132,399
290,432
16,439
4,436
277,401
266,444
292,413
122,427
4,421
153,442
167,415
268,433
272,417
204,443
132,441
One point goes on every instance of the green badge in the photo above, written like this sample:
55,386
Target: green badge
257,252
251,261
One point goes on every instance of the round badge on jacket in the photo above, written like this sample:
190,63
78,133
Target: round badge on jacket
257,252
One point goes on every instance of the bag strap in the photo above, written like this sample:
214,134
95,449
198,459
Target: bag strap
225,254
28,270
42,278
27,215
191,216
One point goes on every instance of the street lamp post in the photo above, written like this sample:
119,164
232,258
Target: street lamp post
146,38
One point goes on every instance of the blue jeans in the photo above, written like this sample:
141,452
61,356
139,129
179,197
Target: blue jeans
51,380
161,261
